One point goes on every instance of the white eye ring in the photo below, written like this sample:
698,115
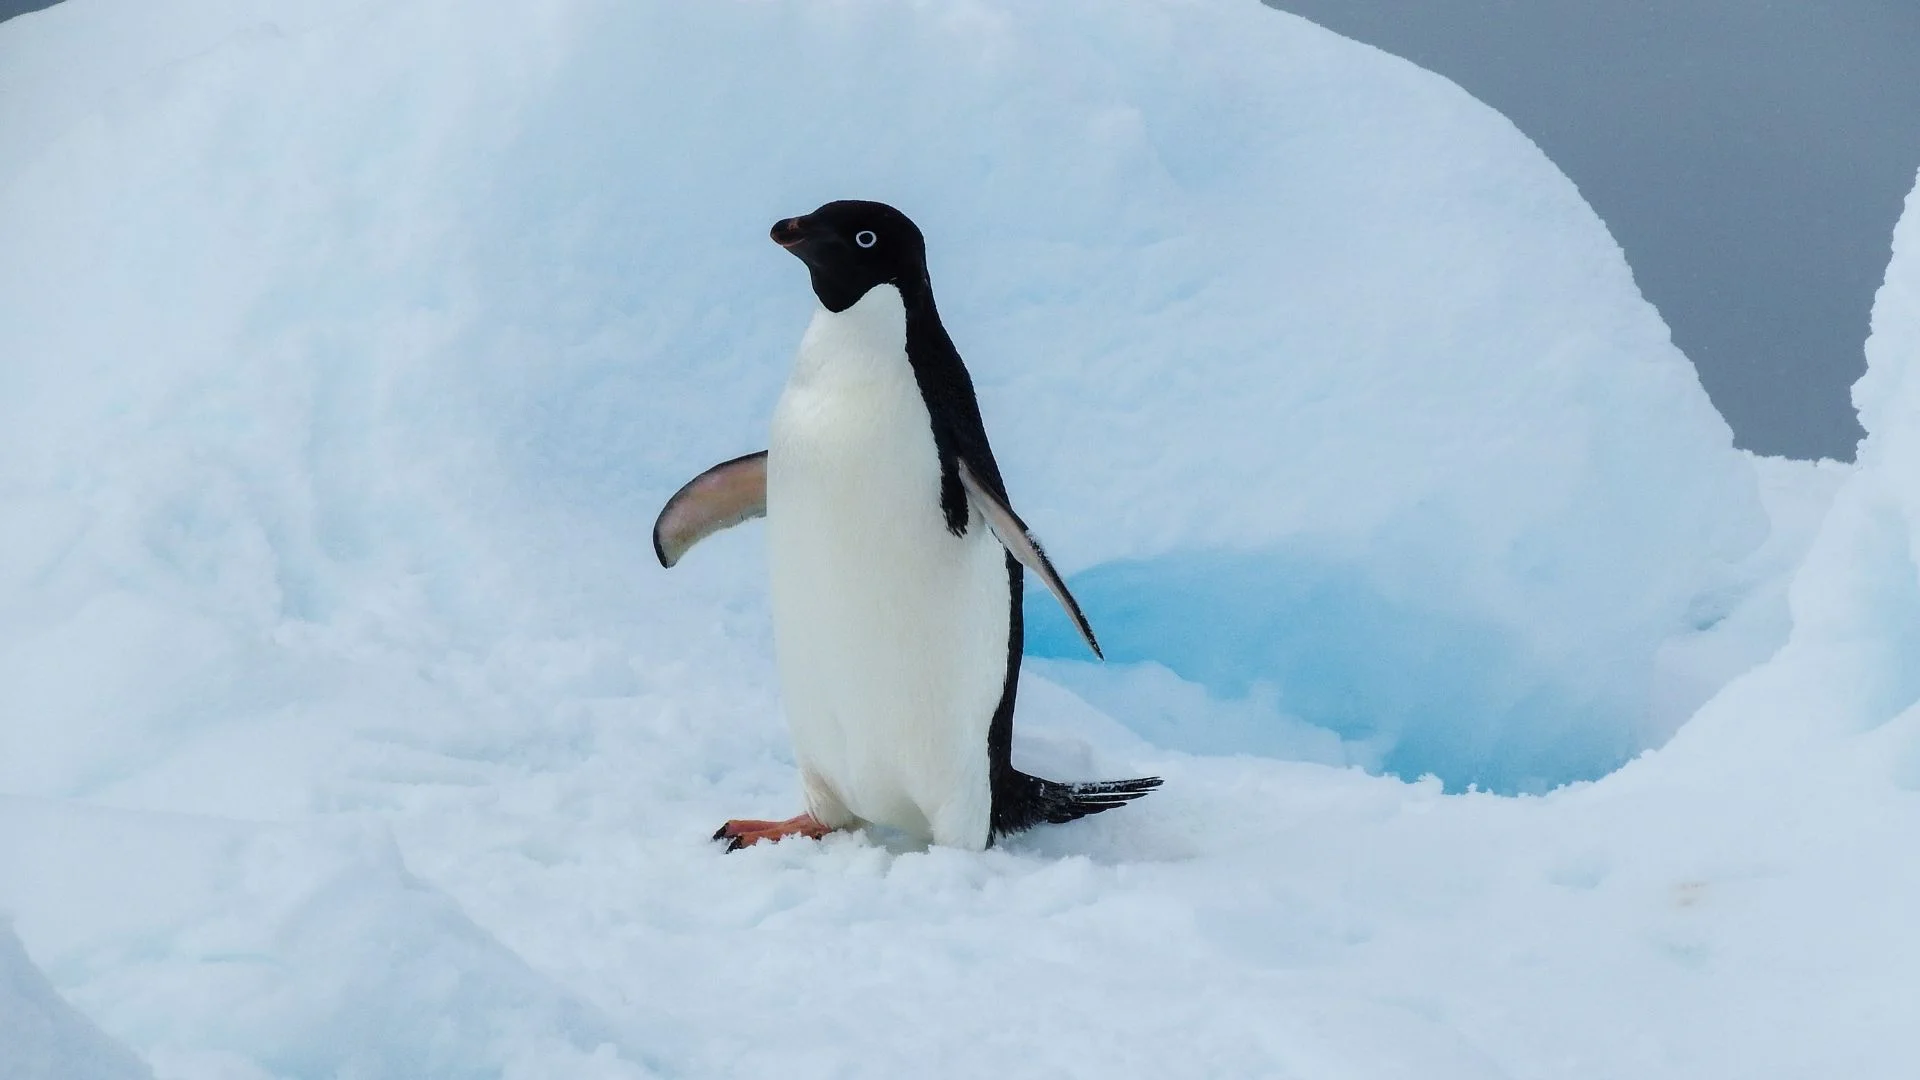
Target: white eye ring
865,238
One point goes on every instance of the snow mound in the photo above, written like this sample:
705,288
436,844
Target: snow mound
306,951
350,351
1784,809
44,1038
1856,598
1325,381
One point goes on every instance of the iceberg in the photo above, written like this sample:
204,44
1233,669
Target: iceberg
349,727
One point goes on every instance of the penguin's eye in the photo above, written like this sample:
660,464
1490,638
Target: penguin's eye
865,238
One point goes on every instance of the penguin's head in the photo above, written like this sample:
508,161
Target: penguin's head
850,246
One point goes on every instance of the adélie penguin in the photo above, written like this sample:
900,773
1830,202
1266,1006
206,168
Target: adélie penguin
895,560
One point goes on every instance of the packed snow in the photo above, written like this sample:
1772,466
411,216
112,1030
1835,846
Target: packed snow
351,730
42,1037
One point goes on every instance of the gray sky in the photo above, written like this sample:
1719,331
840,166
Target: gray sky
1750,157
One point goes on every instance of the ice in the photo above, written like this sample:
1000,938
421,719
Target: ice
351,730
1856,598
1344,389
42,1037
282,949
1794,786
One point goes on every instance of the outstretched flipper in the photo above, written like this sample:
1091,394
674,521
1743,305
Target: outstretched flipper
720,498
1013,535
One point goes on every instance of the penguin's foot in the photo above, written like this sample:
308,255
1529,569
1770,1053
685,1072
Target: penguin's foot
746,832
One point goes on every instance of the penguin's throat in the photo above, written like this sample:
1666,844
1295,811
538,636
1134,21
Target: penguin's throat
867,340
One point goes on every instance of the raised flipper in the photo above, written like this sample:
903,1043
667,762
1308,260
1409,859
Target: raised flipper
720,498
1013,535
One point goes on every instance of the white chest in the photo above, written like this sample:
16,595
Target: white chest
891,632
851,433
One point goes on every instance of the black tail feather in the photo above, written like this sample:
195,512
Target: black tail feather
1027,801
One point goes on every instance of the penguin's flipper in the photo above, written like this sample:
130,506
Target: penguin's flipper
1013,535
720,498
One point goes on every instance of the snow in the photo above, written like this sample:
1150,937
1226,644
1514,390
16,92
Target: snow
1855,598
42,1037
352,731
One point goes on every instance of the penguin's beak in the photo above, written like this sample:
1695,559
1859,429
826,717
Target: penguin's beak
791,232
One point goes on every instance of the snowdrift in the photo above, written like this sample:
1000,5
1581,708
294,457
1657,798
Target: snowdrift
1786,806
1856,598
1327,384
42,1037
349,352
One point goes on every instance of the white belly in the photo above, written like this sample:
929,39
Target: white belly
891,632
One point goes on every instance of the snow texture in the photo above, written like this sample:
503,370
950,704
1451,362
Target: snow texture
42,1037
350,729
1340,399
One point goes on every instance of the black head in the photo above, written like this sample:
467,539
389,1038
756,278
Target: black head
850,246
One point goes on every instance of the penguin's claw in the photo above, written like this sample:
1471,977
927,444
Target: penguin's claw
746,832
737,826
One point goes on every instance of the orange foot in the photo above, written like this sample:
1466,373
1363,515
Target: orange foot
746,832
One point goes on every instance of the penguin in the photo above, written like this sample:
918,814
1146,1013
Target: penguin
895,560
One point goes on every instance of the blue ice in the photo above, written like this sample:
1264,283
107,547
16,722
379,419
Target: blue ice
1446,695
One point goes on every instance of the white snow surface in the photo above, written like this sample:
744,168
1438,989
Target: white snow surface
42,1037
351,731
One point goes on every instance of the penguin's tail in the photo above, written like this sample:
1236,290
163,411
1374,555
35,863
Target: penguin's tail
1025,801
